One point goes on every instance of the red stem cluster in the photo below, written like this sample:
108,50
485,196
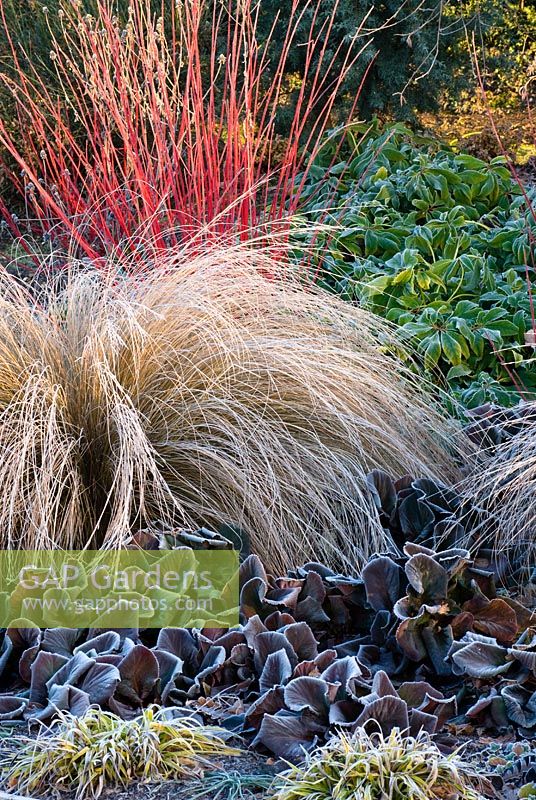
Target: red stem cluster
177,142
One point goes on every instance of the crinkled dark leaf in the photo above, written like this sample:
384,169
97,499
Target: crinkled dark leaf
342,670
448,530
494,618
312,694
438,495
415,517
520,705
26,661
384,582
321,569
415,692
461,624
480,658
358,687
61,640
271,642
43,668
381,684
525,617
12,707
211,666
344,713
138,677
302,639
385,714
228,641
277,620
444,709
240,655
100,682
276,671
71,671
375,658
413,549
252,567
339,614
169,666
289,735
310,610
489,710
427,577
438,642
483,579
253,596
420,721
22,638
383,491
454,560
317,666
408,636
270,702
211,635
110,658
281,598
403,483
109,642
252,628
181,643
314,587
527,658
310,606
62,697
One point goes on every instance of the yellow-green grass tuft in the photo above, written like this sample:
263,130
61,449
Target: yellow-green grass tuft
204,393
89,754
374,767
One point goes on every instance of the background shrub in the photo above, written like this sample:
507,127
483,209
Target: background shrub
407,61
504,35
438,242
403,55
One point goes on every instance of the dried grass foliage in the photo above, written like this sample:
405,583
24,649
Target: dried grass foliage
503,482
203,393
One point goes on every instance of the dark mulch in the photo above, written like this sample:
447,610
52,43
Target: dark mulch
248,764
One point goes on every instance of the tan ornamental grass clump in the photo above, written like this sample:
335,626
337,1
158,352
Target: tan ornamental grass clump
504,484
204,393
87,755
